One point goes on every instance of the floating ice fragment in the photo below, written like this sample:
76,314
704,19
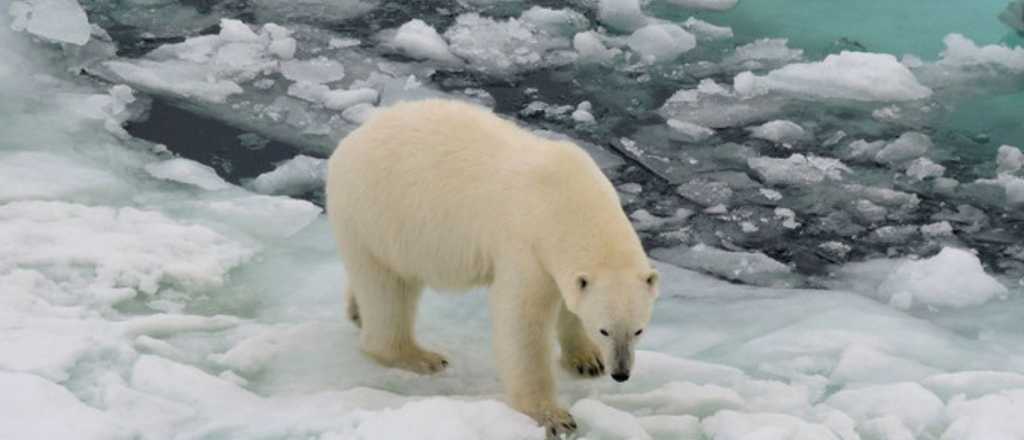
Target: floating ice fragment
706,31
60,21
1009,159
688,131
923,168
591,49
747,267
766,52
343,99
953,278
504,47
295,176
797,169
661,42
858,76
779,131
909,145
419,40
621,15
318,70
189,172
711,5
961,51
582,113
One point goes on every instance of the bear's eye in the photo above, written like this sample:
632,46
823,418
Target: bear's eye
651,279
582,283
604,332
638,332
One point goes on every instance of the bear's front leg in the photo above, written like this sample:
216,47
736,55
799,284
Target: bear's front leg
580,355
524,314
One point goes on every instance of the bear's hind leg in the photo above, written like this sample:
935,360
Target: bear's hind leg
386,306
579,354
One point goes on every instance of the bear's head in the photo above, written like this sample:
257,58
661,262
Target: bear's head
614,307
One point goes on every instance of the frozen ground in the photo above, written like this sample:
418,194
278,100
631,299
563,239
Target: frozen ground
841,257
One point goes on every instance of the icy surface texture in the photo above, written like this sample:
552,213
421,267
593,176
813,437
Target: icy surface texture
839,245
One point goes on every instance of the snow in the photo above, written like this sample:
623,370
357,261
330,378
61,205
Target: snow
994,416
188,172
419,40
29,400
857,76
953,278
905,407
66,178
661,42
779,131
600,421
59,21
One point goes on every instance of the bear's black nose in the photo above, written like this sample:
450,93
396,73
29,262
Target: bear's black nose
620,377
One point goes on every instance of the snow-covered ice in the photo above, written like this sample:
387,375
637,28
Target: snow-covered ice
661,42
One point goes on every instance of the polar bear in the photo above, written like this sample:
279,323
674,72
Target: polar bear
447,195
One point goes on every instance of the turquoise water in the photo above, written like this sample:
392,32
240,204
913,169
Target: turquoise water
896,27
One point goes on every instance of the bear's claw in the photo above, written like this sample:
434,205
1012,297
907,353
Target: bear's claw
557,422
587,363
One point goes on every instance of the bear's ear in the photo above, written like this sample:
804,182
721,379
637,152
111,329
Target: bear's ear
651,278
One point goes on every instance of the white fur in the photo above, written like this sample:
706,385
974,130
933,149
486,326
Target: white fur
446,194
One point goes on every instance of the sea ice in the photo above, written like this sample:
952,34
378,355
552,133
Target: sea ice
779,131
689,132
797,169
295,176
188,172
923,168
621,15
747,267
706,31
953,278
857,76
661,42
711,5
60,21
419,40
506,46
908,146
1009,159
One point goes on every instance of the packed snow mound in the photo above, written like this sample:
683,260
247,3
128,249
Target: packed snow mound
59,21
30,399
858,76
953,278
419,40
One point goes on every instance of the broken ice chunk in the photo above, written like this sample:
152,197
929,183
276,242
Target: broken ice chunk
599,419
504,47
343,99
582,113
318,70
60,21
591,49
661,42
419,40
909,145
753,268
710,5
688,132
858,76
923,168
295,176
953,278
706,31
188,172
763,53
621,15
1009,159
779,131
797,169
962,52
